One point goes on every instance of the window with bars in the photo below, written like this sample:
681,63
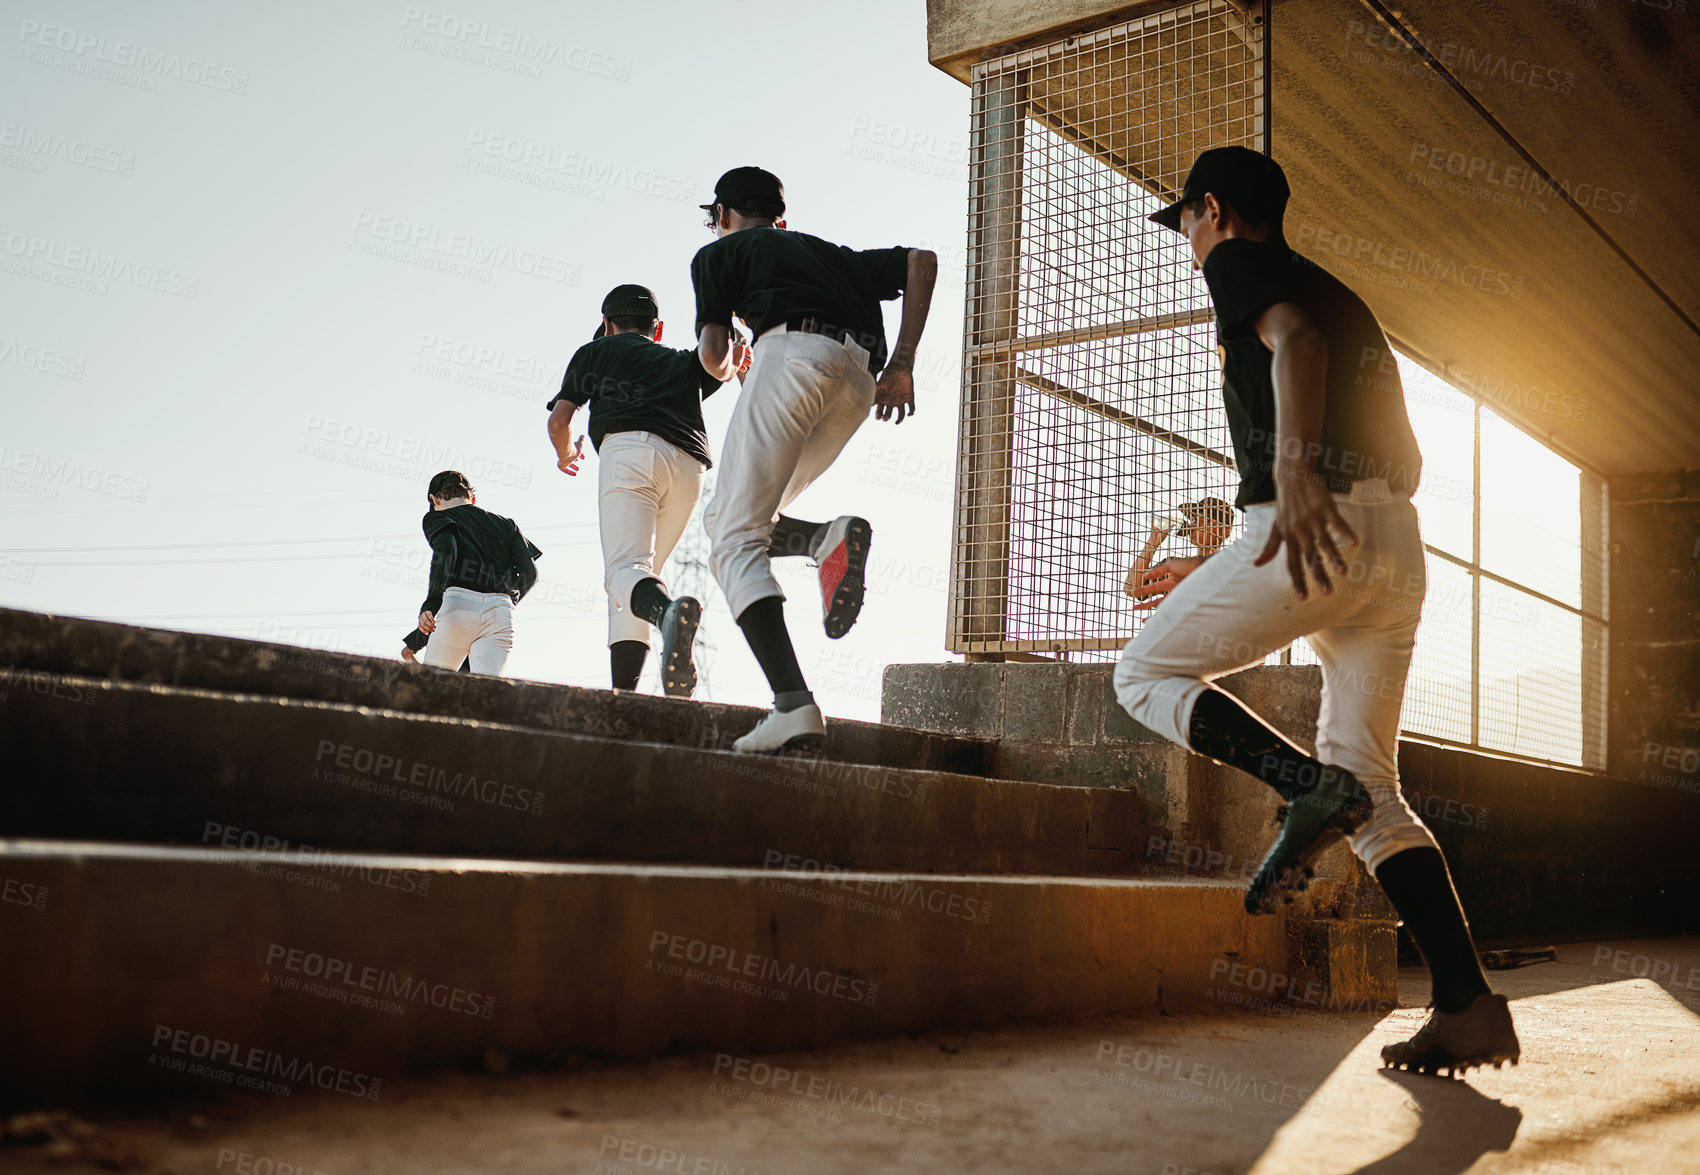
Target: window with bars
1092,430
1511,652
1091,420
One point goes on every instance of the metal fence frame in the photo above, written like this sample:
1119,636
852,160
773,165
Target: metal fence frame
994,348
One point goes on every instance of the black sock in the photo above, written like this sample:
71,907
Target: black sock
649,601
625,658
763,623
793,536
1420,887
1223,729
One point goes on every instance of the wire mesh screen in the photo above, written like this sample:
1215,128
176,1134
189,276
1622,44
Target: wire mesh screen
1093,438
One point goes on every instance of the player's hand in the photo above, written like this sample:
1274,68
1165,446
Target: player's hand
1309,523
895,391
742,353
427,623
409,655
1154,584
569,463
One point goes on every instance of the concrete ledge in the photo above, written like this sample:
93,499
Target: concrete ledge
68,646
963,32
1061,723
1073,705
132,961
122,762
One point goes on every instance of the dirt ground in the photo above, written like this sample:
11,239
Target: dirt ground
1609,1085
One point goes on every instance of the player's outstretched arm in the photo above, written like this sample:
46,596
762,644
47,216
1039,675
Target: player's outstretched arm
895,391
1306,519
1142,562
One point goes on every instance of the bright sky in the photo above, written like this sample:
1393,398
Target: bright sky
251,459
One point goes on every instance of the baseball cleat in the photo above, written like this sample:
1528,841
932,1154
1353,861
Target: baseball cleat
1481,1034
802,729
1336,806
843,557
678,635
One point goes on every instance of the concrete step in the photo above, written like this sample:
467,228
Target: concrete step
119,761
136,964
49,647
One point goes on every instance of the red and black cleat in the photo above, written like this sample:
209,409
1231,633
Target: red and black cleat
1454,1042
843,558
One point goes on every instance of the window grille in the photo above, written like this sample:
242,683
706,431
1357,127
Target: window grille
1091,404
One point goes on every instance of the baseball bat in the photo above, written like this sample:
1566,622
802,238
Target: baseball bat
1507,960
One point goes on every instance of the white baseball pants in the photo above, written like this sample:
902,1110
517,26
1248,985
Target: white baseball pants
1229,615
646,489
475,625
803,399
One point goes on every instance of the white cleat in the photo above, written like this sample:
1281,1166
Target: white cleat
802,729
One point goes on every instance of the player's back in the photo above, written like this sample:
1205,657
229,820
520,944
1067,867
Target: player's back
627,368
634,384
772,276
1363,375
1366,431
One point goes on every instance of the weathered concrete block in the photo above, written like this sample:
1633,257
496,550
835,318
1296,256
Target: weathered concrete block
1035,703
1288,697
1117,725
1070,703
1139,767
1085,707
949,698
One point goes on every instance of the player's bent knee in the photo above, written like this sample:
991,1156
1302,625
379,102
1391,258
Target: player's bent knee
1389,833
1133,672
1133,688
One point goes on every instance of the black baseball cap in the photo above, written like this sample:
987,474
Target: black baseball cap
1249,181
749,189
633,300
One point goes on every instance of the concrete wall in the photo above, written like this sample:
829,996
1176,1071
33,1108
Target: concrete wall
1536,852
1654,668
1540,853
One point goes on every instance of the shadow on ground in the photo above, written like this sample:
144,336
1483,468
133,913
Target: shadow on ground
1457,1126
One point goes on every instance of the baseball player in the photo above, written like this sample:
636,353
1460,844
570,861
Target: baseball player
814,309
1327,463
646,423
481,566
1207,524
